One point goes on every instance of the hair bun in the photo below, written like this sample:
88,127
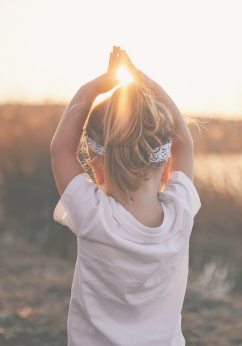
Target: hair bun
129,125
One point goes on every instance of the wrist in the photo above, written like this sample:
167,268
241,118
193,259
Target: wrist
95,86
136,74
105,83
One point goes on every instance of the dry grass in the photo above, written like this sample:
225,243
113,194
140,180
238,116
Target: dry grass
35,273
35,296
220,173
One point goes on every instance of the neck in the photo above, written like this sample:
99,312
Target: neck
146,194
146,207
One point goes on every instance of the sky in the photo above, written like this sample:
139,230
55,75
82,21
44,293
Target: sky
49,48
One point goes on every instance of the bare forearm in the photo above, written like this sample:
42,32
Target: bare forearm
69,130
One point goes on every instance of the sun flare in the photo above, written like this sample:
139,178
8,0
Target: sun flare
124,75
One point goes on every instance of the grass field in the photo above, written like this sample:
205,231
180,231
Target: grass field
38,255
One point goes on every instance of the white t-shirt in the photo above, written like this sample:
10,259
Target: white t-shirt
130,280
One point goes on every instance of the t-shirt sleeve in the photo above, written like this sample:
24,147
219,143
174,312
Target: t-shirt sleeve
78,204
181,187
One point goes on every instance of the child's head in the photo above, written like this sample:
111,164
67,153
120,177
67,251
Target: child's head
128,125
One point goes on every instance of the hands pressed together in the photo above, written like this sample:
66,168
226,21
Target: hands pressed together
118,58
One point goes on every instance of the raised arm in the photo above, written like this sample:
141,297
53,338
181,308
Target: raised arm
64,145
182,149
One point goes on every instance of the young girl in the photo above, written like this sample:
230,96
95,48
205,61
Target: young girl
132,264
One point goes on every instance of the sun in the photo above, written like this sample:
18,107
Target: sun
124,76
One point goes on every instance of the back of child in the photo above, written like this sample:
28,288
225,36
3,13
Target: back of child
133,236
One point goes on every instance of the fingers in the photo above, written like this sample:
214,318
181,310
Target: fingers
116,50
119,57
113,59
123,57
116,56
110,61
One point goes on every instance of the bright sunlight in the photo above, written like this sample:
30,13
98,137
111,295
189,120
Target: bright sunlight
124,75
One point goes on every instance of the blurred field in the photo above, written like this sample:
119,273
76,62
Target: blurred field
32,243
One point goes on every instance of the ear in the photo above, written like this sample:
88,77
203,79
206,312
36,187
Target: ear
166,171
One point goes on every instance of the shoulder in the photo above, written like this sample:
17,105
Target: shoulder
79,203
181,190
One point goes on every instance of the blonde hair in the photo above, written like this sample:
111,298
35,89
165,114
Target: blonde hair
129,125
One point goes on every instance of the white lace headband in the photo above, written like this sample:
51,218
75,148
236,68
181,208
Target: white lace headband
160,153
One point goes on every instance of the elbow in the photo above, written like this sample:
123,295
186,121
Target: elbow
192,144
189,146
53,148
189,141
57,149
